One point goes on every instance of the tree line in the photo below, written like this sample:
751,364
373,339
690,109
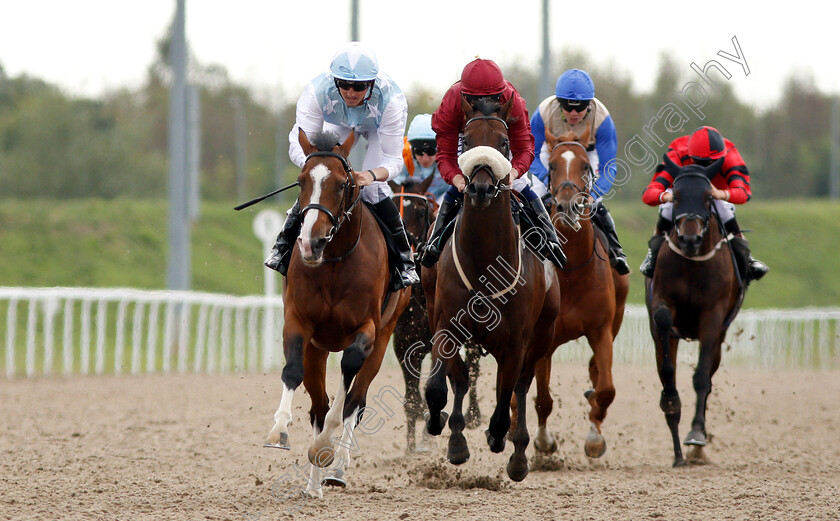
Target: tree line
55,145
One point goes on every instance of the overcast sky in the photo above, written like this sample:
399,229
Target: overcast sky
89,46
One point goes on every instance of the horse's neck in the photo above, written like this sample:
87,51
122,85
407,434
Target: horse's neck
488,233
577,244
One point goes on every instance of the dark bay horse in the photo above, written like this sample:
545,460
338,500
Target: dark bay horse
695,293
488,287
412,336
594,294
336,299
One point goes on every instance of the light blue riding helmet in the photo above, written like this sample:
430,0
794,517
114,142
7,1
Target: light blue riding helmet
354,61
421,128
575,84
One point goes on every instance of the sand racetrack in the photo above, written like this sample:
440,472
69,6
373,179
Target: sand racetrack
188,447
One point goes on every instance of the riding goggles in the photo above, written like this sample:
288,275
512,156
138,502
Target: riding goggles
424,148
358,86
571,105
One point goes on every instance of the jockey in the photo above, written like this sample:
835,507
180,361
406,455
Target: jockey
354,97
484,79
730,186
574,107
421,156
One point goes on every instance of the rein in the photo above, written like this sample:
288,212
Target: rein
711,253
428,200
464,275
491,118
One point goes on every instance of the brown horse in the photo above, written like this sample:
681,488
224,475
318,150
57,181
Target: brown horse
336,299
594,294
412,336
695,293
488,287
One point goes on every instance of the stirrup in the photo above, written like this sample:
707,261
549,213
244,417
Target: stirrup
619,262
757,268
646,268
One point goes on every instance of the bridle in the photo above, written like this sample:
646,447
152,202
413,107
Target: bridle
347,205
702,220
498,187
578,207
429,204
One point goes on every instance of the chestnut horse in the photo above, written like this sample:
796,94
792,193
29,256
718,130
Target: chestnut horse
336,299
412,336
488,287
594,294
695,293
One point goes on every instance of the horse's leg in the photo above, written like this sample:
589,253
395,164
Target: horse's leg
458,373
411,360
436,392
321,452
666,362
708,363
510,366
544,441
517,467
292,376
473,416
314,381
600,398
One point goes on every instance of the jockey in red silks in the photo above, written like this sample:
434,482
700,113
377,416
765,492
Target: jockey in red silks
483,79
730,186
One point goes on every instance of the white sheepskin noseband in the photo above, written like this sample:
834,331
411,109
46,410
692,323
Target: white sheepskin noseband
484,155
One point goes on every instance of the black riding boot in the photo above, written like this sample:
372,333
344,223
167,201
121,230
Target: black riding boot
662,226
447,212
281,253
603,220
553,249
387,211
755,269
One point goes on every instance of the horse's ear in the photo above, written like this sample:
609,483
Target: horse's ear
394,186
426,183
466,107
348,143
671,167
505,110
712,170
550,139
304,142
584,138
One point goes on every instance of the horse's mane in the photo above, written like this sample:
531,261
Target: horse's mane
325,140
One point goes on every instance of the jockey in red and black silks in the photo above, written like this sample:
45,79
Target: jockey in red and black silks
731,186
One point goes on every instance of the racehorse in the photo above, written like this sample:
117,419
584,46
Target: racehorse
412,336
488,287
594,294
336,299
695,293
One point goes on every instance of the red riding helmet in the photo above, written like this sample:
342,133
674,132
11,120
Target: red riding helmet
706,143
482,78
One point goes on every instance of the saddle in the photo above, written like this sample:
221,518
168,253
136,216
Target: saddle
393,252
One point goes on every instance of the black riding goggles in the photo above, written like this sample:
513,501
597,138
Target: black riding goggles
571,105
428,149
358,86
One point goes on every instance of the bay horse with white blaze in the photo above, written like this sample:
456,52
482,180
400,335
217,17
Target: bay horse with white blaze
336,299
412,336
594,294
488,287
695,293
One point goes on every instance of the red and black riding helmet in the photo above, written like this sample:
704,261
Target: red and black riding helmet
706,143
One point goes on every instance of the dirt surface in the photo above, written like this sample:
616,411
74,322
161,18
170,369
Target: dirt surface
189,447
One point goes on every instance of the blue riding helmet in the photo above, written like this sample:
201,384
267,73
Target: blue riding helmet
421,128
354,61
575,84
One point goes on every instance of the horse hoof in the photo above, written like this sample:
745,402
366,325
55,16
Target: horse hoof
544,442
278,442
435,430
335,480
680,463
458,452
496,444
587,393
695,437
321,456
595,445
517,467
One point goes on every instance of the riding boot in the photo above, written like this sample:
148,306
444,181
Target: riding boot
553,249
387,211
649,264
753,269
281,253
447,212
603,220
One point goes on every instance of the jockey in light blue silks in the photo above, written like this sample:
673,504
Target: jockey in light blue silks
574,107
354,97
421,139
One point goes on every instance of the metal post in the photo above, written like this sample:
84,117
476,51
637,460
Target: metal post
241,151
193,150
834,172
354,20
545,78
178,263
